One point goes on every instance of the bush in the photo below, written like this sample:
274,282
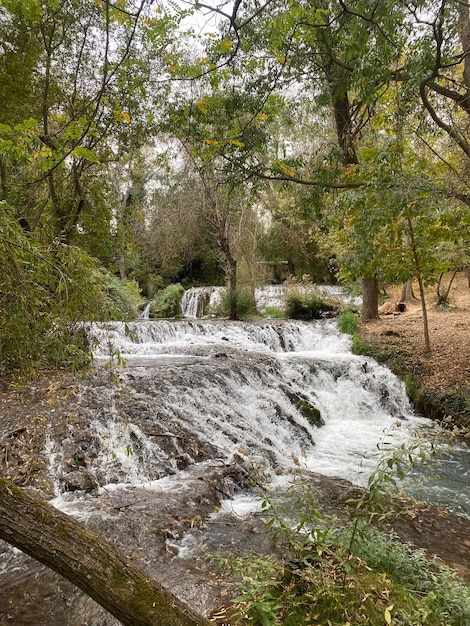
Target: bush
325,576
302,306
167,302
123,297
46,292
275,313
347,322
242,302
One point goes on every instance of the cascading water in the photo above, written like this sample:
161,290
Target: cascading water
198,302
251,387
172,402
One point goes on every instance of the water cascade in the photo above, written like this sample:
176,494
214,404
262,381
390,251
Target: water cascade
172,402
199,302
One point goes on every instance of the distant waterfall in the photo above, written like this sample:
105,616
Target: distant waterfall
199,302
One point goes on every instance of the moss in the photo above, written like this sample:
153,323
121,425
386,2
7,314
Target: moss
311,413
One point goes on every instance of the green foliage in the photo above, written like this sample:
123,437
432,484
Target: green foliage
123,297
274,313
308,306
45,295
241,301
347,322
167,302
353,574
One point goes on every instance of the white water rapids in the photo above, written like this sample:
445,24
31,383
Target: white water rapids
166,426
238,386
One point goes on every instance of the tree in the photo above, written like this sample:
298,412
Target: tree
82,113
88,561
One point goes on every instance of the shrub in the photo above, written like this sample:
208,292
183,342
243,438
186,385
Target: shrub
243,304
355,574
167,302
274,313
302,306
44,292
347,322
123,297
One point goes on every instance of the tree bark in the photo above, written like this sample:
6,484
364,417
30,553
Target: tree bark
89,562
407,294
370,299
224,241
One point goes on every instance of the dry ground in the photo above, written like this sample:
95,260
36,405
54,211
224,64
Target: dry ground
449,363
447,369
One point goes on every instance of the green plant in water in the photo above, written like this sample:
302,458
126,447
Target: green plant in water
347,322
274,313
167,302
244,303
308,306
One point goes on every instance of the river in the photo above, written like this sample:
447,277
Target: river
174,405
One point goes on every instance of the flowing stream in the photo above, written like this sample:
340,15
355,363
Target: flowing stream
247,387
173,401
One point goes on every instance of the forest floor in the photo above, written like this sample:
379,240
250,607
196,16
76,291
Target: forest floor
443,377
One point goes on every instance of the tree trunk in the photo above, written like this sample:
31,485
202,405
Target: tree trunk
443,297
407,294
224,241
370,299
427,337
89,562
419,276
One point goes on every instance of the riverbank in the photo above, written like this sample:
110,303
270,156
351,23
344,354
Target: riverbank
438,384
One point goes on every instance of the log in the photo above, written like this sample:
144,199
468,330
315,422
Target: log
88,561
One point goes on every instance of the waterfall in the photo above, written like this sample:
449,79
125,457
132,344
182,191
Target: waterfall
248,387
172,408
199,302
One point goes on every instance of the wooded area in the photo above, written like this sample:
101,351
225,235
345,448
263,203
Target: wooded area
141,148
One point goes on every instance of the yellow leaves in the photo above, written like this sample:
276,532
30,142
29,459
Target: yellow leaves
237,143
203,105
211,142
126,117
174,67
388,615
225,46
262,116
287,170
44,153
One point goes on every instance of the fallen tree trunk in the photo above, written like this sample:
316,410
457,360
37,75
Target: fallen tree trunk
89,562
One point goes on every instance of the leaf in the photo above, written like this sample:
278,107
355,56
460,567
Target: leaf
388,615
86,154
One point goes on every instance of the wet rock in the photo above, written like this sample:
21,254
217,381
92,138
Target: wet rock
79,481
